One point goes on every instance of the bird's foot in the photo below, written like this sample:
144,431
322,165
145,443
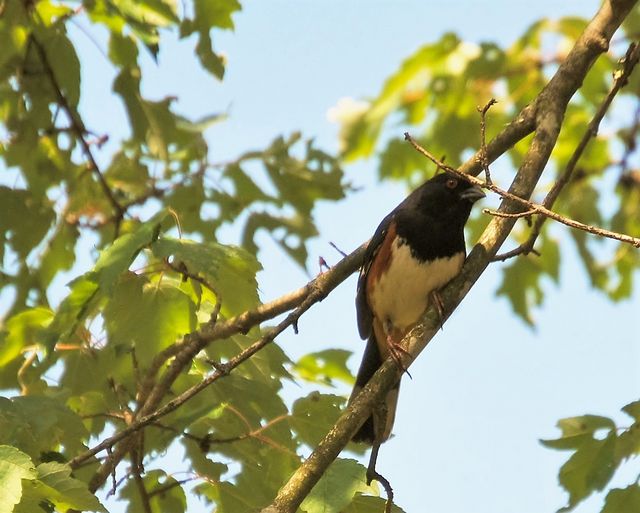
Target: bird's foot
397,352
439,306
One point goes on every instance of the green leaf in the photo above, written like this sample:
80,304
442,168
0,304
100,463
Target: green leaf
14,467
25,221
369,504
98,283
147,316
66,66
312,416
201,124
72,311
628,444
23,329
64,491
165,493
210,15
123,50
325,366
158,13
625,500
116,259
589,469
266,366
633,409
59,254
201,463
335,490
90,406
229,270
50,13
228,497
576,430
37,424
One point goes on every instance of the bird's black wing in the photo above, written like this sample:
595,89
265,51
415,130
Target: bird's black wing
365,317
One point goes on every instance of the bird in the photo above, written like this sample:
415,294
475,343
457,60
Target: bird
416,250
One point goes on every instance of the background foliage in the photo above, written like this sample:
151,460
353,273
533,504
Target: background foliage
72,371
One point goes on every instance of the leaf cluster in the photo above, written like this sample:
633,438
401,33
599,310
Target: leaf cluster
76,369
599,448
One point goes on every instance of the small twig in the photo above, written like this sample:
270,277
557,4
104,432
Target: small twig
373,474
322,264
334,246
114,484
136,367
484,158
515,215
538,209
182,269
168,486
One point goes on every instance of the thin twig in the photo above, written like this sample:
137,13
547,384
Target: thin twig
80,130
535,207
373,474
172,484
483,138
142,490
621,78
334,246
114,484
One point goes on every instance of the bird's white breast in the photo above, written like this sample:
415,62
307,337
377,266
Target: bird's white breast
401,293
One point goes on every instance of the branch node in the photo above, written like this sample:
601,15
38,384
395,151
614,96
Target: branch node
223,368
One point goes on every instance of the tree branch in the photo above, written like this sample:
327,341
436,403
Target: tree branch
549,110
621,78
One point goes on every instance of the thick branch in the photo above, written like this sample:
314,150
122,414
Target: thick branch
549,111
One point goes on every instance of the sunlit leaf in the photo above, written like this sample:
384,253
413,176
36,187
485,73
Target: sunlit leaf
589,469
337,487
14,467
623,500
312,416
64,491
147,316
23,329
325,366
229,270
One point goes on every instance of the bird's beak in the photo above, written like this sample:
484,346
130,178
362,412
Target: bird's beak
473,194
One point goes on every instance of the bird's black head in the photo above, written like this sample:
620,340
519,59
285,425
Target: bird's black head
433,216
447,196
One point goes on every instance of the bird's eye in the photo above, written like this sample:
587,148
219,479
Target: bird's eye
451,183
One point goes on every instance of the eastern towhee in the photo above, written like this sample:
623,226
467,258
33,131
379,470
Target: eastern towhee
415,251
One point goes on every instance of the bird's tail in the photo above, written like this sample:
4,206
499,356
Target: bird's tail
371,362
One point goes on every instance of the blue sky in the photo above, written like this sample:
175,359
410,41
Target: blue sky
488,387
